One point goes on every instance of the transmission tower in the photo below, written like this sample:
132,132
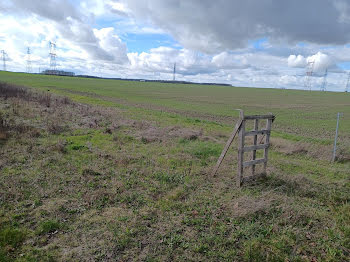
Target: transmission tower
29,62
347,84
309,73
3,54
52,56
324,83
174,72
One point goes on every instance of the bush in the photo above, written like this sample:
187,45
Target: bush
9,90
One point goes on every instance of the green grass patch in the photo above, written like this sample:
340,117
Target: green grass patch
11,237
201,150
48,226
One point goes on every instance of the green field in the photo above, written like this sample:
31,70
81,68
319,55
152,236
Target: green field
300,113
120,171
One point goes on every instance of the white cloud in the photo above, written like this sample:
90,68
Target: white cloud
118,8
287,80
229,61
297,61
70,25
216,26
188,63
321,62
111,43
216,39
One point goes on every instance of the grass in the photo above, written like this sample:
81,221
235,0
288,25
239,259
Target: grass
10,239
119,171
309,114
49,226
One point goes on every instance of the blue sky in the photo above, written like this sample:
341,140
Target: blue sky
260,43
145,42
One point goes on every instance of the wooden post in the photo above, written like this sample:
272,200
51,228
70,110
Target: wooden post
256,128
227,146
241,137
266,150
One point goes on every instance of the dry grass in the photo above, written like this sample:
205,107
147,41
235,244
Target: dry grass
322,152
88,183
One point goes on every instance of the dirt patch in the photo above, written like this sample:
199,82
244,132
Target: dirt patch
247,205
3,135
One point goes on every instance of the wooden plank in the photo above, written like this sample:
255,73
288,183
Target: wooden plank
227,146
240,151
254,148
267,141
259,117
258,132
262,137
255,141
254,162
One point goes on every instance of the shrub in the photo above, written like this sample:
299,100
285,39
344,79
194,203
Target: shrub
45,99
9,90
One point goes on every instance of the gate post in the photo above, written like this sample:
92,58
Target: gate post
255,141
241,136
267,142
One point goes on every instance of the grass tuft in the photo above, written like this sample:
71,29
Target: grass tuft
48,226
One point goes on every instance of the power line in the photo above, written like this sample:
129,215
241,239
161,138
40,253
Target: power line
309,73
324,83
53,56
174,72
4,54
29,62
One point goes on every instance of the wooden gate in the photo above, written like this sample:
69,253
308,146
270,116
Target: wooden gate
240,128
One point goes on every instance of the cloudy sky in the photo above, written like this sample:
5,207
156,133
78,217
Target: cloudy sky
260,43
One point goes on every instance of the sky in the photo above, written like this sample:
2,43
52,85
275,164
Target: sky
252,43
